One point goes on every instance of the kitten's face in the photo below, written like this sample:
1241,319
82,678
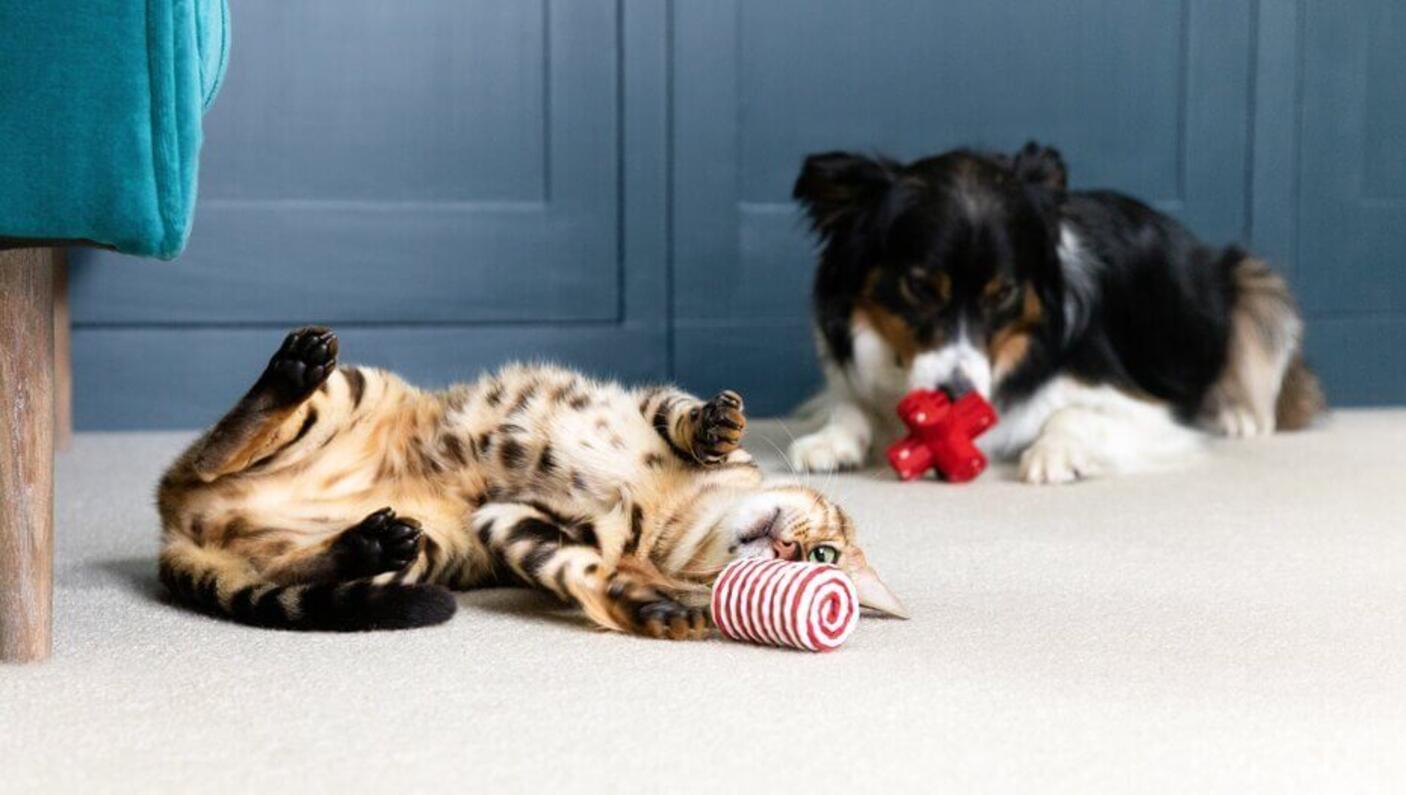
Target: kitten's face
798,523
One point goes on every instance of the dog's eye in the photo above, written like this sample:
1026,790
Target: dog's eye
1002,295
824,554
918,288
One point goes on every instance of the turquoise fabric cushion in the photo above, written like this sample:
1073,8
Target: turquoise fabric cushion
100,106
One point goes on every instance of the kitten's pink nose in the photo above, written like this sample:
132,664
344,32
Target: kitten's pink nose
786,550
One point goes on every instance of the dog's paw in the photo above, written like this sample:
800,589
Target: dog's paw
1240,422
830,449
1056,460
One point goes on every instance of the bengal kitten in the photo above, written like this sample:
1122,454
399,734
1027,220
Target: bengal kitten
345,499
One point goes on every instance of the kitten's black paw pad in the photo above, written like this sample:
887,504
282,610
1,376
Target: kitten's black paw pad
382,542
302,364
720,423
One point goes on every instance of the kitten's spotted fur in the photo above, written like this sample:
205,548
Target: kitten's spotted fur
341,498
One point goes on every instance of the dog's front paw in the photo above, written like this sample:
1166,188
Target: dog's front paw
1240,422
1057,459
830,449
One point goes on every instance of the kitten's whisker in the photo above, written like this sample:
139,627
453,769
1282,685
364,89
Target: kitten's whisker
785,460
804,476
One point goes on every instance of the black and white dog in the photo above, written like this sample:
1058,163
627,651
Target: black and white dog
1106,335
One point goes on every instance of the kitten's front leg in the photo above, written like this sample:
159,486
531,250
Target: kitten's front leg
707,433
633,602
563,555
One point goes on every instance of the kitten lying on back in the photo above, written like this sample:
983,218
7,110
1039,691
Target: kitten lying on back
344,499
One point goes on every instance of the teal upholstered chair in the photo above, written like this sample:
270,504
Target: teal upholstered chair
100,107
100,128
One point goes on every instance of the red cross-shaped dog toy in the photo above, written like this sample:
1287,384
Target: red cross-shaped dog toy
940,434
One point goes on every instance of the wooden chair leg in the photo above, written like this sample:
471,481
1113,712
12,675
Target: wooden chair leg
63,355
26,454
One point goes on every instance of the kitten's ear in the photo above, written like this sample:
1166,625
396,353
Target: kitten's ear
1040,165
874,595
835,187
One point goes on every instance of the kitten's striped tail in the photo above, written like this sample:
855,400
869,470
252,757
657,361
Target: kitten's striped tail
220,582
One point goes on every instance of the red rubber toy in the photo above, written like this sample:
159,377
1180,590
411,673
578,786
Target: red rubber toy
940,435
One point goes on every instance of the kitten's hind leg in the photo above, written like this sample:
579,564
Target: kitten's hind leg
299,366
563,555
381,543
697,431
387,548
271,414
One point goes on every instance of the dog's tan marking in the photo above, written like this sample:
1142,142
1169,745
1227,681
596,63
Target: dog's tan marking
1011,343
894,329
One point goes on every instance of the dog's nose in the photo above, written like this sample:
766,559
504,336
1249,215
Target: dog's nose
956,385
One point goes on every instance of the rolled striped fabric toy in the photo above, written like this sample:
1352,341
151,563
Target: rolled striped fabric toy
811,606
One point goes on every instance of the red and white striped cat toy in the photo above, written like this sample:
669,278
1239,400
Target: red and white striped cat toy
811,606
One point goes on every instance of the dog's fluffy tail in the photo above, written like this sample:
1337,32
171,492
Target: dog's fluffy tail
1300,397
1266,384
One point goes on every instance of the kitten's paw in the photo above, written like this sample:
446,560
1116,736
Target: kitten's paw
1240,422
645,610
666,618
301,365
830,449
1055,460
719,426
380,543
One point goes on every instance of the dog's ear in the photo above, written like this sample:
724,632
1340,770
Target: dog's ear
836,187
1040,165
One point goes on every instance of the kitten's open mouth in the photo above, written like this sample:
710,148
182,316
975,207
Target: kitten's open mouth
762,529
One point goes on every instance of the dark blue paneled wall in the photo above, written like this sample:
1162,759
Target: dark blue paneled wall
452,184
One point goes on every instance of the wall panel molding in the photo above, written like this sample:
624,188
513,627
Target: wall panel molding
171,345
445,161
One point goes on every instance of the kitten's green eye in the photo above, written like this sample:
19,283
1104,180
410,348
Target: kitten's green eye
825,554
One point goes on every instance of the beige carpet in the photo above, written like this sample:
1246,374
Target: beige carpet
1239,625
